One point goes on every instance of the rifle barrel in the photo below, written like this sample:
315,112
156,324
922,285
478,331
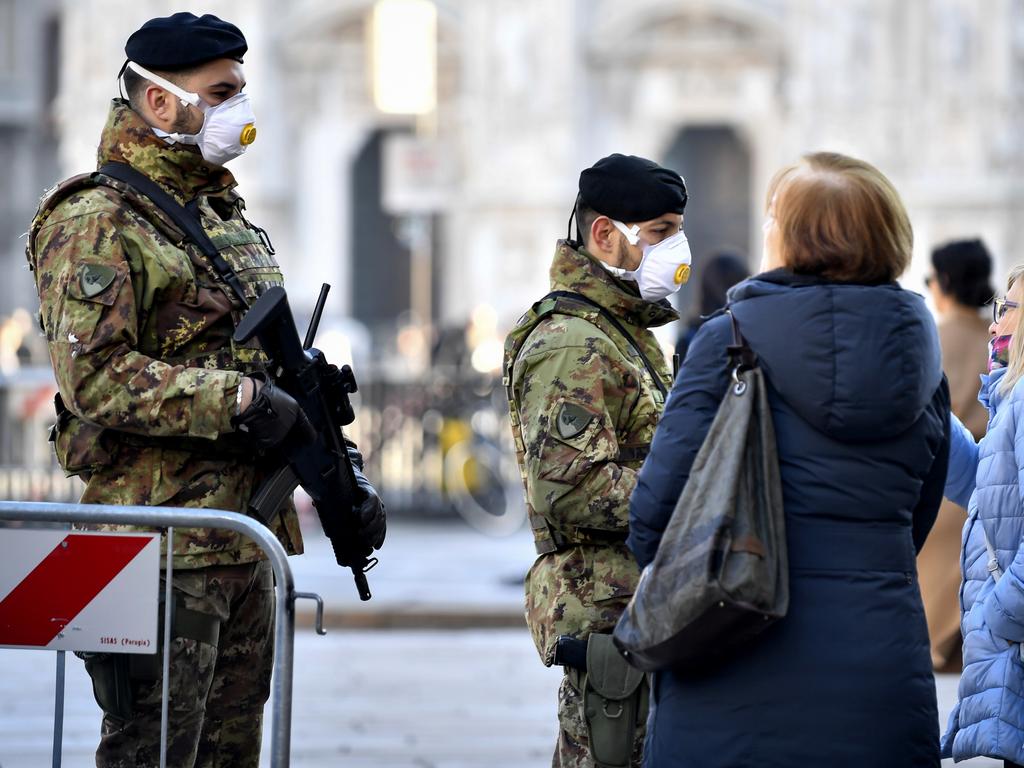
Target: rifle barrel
314,322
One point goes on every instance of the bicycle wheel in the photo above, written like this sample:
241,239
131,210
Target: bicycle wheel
478,485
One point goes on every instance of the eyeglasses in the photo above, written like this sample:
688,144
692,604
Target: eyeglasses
1000,307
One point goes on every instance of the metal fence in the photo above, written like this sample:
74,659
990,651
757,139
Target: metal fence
440,444
436,444
28,513
38,484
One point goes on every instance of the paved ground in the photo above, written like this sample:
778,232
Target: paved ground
443,575
423,699
379,699
421,685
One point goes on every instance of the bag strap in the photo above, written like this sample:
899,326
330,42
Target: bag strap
187,221
741,356
993,561
614,321
740,353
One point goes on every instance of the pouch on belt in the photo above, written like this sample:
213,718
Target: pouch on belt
614,702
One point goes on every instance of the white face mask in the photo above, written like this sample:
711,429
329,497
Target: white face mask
228,128
665,266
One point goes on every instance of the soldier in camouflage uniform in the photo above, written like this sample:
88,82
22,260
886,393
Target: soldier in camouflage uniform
586,381
139,325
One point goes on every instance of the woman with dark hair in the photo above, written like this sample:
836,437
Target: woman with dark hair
959,284
718,274
861,415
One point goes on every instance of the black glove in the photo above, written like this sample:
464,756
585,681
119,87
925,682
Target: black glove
272,416
373,524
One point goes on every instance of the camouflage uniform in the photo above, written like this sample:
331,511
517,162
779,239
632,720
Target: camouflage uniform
139,329
584,409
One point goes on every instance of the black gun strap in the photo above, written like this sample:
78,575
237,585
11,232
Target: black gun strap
573,296
185,220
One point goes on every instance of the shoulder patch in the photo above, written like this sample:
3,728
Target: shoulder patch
96,278
97,282
572,420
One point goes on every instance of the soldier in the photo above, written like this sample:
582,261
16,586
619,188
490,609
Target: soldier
139,324
586,383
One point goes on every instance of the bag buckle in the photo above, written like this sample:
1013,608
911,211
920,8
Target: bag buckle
740,386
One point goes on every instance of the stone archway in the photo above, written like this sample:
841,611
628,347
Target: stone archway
325,52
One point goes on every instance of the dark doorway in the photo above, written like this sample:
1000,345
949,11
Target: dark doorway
382,266
380,260
716,166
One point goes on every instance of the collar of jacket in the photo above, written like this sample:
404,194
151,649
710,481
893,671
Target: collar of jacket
990,395
576,270
178,168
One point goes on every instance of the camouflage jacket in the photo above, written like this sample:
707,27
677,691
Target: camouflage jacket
584,407
139,328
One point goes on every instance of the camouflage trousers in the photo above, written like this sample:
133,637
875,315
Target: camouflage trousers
573,748
217,686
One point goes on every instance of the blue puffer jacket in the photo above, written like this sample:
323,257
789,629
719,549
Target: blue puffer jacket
989,718
861,420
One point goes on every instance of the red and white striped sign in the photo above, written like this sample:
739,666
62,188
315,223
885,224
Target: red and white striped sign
79,591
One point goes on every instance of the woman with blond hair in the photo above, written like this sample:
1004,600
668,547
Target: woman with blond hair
861,415
988,719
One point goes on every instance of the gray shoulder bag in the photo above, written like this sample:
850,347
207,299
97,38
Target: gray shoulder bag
720,575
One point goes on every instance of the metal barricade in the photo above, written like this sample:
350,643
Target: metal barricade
169,518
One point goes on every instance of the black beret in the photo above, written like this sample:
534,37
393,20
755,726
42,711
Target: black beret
632,189
184,40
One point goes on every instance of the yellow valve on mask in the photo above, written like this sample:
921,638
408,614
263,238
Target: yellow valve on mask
248,135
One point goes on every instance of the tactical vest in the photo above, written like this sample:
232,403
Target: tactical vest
548,536
248,253
242,251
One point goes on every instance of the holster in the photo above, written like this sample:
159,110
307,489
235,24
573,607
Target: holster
111,682
115,676
615,702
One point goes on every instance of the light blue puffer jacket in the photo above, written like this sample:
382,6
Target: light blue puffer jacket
988,719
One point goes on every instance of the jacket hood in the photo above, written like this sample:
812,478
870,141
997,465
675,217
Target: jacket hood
858,362
577,271
179,168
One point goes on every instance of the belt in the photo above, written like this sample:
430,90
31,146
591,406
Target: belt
628,453
547,538
230,446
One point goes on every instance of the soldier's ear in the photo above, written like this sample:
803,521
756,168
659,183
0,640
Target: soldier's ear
603,236
160,104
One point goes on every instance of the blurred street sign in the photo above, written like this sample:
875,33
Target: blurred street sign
419,175
62,591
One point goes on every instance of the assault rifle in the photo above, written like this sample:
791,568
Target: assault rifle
322,467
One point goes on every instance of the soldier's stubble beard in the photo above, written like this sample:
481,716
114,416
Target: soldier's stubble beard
186,121
626,257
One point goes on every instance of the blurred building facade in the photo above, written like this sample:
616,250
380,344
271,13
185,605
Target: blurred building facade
528,92
29,74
